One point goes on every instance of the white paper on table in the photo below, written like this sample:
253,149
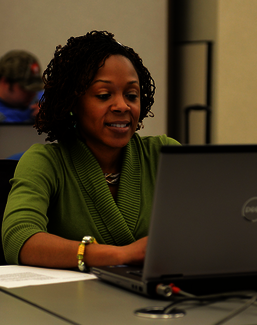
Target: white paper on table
14,276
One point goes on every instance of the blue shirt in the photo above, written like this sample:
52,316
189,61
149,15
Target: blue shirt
10,114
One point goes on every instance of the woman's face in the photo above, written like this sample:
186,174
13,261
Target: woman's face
109,111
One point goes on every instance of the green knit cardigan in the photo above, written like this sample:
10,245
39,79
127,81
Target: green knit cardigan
60,188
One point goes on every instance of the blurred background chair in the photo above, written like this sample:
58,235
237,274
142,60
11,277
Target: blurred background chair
7,168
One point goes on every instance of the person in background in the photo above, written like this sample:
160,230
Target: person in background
85,199
21,87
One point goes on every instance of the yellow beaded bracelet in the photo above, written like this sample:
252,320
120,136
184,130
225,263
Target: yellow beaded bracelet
81,250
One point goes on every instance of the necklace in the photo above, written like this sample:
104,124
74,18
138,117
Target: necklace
112,179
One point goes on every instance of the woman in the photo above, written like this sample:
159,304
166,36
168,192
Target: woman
98,179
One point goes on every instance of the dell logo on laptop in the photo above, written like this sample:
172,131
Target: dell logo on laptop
249,211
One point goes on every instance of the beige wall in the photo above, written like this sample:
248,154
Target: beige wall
231,25
196,19
38,26
236,75
195,24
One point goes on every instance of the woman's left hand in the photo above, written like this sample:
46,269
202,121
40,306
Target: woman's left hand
135,252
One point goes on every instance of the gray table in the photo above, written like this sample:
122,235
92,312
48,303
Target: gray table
15,311
96,302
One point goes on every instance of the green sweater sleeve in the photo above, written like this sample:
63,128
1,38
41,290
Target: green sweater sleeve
26,211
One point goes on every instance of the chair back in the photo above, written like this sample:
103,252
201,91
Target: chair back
7,168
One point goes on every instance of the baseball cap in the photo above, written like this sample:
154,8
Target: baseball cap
22,67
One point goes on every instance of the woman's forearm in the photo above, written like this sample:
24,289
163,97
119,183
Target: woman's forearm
47,250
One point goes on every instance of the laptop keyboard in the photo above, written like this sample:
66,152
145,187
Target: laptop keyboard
138,273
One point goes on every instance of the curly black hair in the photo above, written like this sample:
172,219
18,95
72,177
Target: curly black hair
71,72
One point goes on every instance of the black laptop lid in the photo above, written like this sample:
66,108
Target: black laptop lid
204,212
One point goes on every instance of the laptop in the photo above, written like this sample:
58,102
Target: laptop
203,227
